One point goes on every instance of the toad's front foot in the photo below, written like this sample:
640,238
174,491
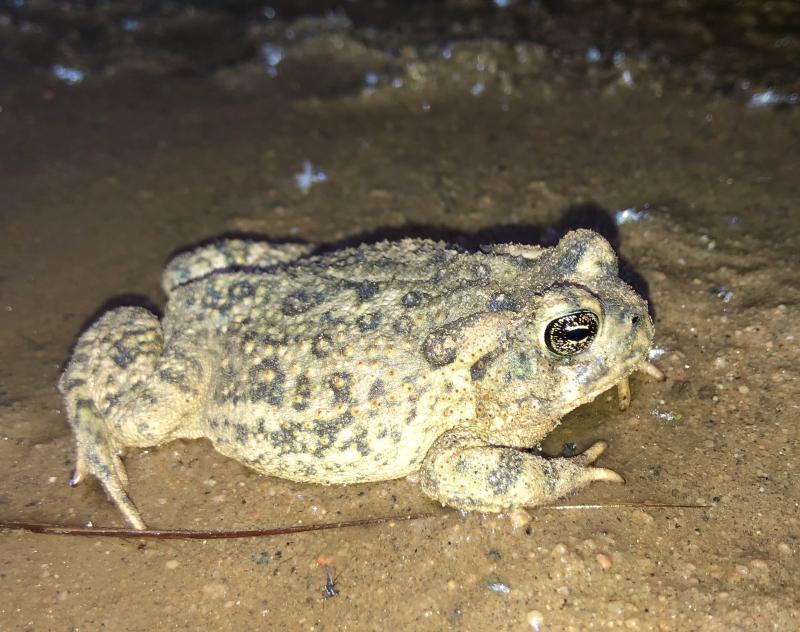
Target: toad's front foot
463,473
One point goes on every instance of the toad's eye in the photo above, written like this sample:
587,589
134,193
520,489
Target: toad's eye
571,333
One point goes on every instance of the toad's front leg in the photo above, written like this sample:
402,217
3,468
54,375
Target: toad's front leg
466,473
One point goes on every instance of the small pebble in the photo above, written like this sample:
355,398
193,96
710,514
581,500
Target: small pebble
784,548
172,564
559,549
323,559
519,518
535,620
603,560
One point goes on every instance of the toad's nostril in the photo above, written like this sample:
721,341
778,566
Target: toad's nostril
635,320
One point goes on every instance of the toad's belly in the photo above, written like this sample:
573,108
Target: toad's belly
344,443
315,457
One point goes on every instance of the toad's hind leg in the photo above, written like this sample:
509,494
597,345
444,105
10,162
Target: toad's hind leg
109,365
465,473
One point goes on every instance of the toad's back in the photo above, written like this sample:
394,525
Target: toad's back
316,370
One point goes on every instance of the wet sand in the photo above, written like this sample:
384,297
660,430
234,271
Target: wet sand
103,180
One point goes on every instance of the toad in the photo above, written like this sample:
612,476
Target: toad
366,364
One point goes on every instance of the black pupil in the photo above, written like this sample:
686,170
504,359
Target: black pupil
576,335
571,333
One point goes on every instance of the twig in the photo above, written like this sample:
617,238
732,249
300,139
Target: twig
204,534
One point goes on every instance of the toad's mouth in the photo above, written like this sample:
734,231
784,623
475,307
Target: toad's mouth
622,385
551,409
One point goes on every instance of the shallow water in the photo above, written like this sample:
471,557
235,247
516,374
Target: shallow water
122,142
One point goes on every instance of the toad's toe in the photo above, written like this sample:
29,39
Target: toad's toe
591,454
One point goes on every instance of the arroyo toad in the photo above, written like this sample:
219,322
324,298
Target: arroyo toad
366,364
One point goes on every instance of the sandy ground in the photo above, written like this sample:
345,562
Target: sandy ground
101,181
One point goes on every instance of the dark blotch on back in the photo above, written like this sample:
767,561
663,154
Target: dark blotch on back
241,290
302,393
403,325
298,303
369,321
377,390
478,370
412,299
267,382
339,383
213,299
242,433
322,345
366,290
327,430
501,302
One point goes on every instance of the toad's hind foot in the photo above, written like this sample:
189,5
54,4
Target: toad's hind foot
111,361
95,456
